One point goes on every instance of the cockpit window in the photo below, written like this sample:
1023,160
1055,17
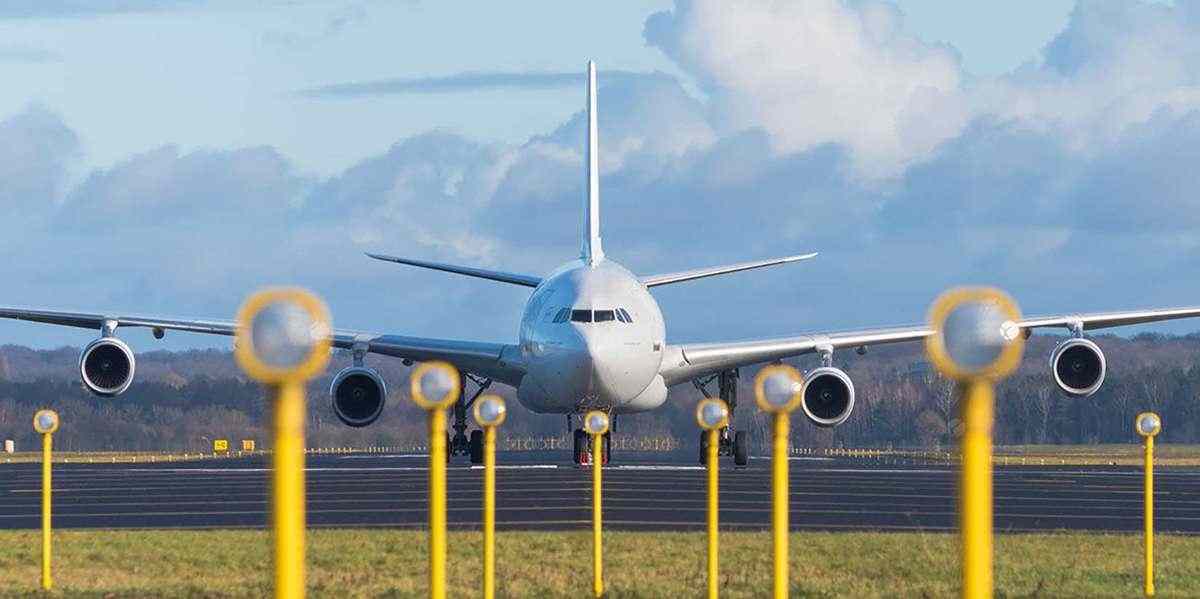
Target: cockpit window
605,316
581,315
562,315
625,314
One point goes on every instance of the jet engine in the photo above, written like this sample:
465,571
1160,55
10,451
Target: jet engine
359,395
1078,366
106,366
828,396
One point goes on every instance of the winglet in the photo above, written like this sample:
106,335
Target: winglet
592,251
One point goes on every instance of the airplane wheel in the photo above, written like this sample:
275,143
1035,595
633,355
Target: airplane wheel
448,452
703,448
741,449
580,446
476,447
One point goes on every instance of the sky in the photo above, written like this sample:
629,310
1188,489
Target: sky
168,157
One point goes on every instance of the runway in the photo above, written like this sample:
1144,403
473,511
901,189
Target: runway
644,492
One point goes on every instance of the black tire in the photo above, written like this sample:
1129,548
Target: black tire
476,447
703,448
448,451
741,449
580,446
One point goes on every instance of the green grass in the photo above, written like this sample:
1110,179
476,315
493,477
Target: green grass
391,563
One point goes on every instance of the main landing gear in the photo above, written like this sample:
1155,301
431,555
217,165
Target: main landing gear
734,443
459,443
582,451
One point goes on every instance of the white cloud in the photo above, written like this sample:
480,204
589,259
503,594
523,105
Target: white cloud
816,72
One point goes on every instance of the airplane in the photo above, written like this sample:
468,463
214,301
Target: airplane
592,336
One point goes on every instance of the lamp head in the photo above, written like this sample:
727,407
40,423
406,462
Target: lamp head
975,334
595,422
712,414
489,410
45,421
435,385
1147,424
778,388
283,335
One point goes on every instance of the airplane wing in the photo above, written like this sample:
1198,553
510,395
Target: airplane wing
689,361
498,361
700,273
481,273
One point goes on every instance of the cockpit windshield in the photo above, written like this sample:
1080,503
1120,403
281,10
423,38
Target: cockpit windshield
614,315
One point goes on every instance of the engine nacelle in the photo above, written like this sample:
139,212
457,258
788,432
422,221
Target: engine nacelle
1078,366
828,396
106,366
359,395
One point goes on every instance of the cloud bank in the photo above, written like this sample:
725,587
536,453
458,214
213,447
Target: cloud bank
1070,181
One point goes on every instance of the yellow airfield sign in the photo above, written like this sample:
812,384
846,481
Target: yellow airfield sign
220,445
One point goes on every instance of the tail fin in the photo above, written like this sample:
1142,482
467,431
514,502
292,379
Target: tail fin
592,251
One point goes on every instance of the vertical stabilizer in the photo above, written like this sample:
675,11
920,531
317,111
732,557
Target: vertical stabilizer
592,251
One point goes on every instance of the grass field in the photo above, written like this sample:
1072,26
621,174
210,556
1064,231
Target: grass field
391,563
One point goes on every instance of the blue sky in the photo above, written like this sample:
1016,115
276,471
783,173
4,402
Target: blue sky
167,157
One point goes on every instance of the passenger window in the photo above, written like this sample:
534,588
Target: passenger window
605,316
581,315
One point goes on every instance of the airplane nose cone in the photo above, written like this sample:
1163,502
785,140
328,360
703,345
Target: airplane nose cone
609,376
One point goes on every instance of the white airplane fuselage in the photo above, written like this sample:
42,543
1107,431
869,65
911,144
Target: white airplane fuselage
593,359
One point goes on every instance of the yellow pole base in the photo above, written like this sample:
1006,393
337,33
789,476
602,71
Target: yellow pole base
779,503
975,492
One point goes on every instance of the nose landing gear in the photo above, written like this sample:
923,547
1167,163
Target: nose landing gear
582,451
732,443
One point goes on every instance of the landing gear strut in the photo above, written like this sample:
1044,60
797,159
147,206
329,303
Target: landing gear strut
459,444
734,443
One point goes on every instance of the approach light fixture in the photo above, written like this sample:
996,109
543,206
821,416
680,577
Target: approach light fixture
490,410
45,421
595,422
435,385
778,388
712,414
283,336
1148,424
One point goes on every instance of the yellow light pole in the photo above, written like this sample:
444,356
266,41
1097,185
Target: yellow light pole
976,340
46,422
489,413
1148,425
435,386
712,415
778,389
596,424
283,340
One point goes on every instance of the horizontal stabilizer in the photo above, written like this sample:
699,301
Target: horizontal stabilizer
495,275
700,273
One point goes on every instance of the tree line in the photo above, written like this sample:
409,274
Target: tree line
183,400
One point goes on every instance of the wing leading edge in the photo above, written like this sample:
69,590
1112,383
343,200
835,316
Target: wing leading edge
498,361
688,361
700,273
470,271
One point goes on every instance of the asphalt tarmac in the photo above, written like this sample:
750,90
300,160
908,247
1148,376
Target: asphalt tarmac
641,492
